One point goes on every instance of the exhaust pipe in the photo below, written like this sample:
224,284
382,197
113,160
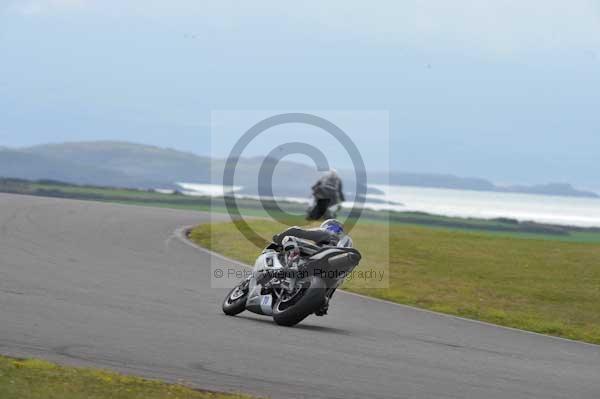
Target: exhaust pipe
343,261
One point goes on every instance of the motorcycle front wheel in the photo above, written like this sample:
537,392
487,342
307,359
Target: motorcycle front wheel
291,309
235,301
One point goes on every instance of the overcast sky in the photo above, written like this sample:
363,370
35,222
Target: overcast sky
506,90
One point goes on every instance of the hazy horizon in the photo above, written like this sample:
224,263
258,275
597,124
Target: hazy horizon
301,161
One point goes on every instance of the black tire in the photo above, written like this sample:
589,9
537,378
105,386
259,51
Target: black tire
235,306
309,302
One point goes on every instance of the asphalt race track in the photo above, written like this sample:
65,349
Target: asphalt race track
90,283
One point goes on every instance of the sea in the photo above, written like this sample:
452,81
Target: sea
567,211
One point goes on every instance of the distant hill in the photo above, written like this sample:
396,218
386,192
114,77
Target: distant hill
475,184
550,189
141,162
164,167
440,181
24,165
123,164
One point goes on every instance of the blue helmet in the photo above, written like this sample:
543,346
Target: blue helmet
333,226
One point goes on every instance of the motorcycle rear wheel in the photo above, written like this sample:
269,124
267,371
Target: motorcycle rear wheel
289,312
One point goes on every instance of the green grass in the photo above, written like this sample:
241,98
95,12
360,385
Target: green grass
33,379
545,286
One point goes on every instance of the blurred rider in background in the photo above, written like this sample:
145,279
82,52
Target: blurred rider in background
327,192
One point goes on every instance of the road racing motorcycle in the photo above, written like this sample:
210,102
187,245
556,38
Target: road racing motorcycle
291,281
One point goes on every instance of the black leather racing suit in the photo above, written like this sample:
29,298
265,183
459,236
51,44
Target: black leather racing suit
318,236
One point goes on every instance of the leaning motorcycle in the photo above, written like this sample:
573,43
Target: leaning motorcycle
290,284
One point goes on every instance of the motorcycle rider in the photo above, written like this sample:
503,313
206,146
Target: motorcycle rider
331,233
327,191
290,294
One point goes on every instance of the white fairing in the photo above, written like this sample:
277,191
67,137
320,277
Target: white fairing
263,262
268,260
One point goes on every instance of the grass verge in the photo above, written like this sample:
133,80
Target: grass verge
32,379
549,287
